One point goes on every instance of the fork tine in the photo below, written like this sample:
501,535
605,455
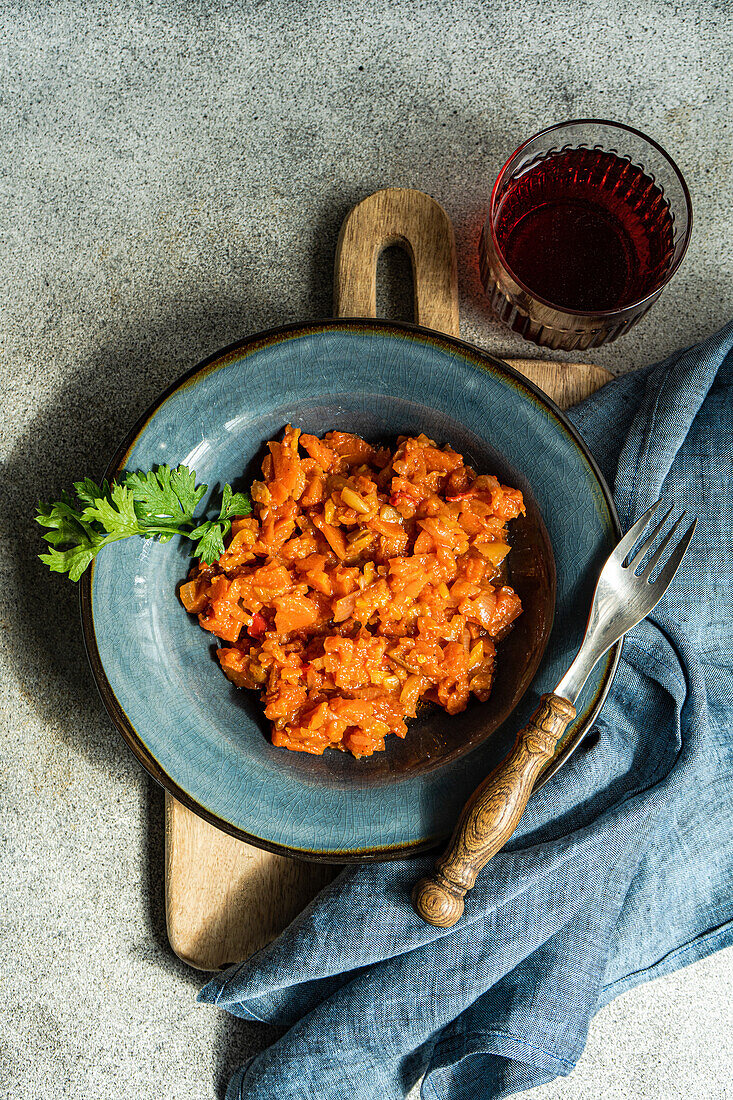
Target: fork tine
650,538
657,555
627,542
665,577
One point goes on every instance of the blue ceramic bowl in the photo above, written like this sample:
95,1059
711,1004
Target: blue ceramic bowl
207,742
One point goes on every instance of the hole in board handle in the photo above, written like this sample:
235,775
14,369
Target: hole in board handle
395,284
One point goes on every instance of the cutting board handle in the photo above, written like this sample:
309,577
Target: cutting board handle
421,226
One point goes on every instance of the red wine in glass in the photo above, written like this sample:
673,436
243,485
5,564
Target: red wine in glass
586,230
587,223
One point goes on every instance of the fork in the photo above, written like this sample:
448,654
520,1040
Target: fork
622,598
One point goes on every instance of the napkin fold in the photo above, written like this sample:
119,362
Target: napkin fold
621,868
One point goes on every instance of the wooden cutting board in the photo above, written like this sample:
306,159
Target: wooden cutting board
226,899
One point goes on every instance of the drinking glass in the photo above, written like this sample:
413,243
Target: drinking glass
588,222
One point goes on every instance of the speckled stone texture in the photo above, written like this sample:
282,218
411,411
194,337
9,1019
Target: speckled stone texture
173,176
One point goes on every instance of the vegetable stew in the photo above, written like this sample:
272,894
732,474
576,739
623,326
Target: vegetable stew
367,579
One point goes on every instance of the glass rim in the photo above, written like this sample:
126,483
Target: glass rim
636,302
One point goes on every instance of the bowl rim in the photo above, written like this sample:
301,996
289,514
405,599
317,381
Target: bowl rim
218,359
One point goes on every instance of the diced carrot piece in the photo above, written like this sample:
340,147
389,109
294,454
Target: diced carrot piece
508,503
233,659
442,460
193,596
474,569
351,447
385,527
314,492
494,551
319,451
344,607
294,613
288,476
335,539
227,628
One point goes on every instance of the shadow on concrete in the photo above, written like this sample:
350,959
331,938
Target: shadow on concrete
75,434
236,1041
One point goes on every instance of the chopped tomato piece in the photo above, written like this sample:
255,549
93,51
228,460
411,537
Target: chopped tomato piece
257,627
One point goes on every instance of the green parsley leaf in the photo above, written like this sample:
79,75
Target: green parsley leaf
116,513
73,561
165,497
66,528
210,538
88,491
64,522
234,504
183,484
157,504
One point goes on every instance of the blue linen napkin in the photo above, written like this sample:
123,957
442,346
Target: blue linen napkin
621,869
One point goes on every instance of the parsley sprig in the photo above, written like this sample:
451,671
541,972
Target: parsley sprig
158,504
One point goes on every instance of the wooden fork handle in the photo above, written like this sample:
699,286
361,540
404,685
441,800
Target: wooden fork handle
491,815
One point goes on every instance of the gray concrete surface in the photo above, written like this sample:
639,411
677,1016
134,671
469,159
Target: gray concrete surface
173,176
